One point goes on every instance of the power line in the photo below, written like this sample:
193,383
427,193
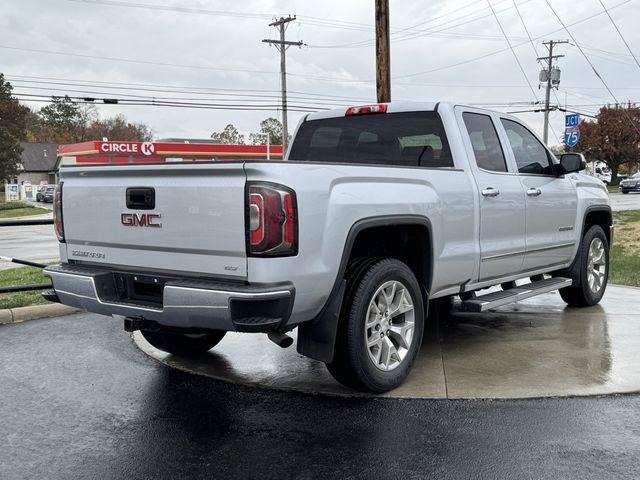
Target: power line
592,67
535,50
619,33
187,89
252,97
198,11
524,74
311,20
495,52
608,57
165,103
396,37
129,60
317,78
301,101
411,36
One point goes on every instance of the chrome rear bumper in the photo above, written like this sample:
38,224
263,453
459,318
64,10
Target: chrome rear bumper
184,304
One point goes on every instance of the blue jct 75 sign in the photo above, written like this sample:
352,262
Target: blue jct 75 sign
571,131
571,120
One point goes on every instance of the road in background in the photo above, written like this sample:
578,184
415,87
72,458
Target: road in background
619,201
79,400
30,242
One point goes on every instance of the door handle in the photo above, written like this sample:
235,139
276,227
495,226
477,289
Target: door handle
490,192
534,192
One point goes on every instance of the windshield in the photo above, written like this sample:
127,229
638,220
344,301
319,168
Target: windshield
414,139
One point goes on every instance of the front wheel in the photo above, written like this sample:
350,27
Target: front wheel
592,269
380,328
183,344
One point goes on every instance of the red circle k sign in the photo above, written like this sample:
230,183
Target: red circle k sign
147,148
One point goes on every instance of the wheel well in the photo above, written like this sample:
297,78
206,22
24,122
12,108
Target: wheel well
410,244
599,217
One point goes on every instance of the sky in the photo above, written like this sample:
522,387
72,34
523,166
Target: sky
211,53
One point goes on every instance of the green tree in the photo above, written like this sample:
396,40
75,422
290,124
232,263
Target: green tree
13,129
270,128
614,137
61,119
230,135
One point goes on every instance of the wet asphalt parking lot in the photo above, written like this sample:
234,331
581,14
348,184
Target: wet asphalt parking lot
79,400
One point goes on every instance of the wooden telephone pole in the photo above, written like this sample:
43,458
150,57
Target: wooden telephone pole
282,46
383,64
550,81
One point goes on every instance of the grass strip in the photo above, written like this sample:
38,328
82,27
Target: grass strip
21,276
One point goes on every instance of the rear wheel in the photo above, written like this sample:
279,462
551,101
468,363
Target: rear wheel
380,329
183,344
592,269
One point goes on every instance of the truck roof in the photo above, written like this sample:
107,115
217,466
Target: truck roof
392,107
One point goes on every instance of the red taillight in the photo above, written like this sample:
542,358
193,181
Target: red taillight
58,226
365,109
256,218
271,223
289,219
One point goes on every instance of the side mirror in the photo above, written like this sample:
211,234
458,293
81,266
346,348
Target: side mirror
572,162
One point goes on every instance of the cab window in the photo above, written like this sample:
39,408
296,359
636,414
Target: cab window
408,139
531,156
485,142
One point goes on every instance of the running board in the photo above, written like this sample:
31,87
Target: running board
504,297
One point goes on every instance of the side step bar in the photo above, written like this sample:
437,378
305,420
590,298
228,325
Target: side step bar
504,297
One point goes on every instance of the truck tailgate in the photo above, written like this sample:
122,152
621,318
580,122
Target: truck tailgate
196,224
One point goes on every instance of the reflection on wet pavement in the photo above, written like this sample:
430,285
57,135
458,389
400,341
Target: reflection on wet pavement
538,347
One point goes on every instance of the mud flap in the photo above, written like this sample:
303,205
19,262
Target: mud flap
317,338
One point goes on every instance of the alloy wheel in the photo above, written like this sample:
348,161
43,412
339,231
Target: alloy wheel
390,325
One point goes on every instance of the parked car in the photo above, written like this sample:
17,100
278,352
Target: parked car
376,210
631,184
40,193
48,193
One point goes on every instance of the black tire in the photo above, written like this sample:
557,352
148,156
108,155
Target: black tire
580,294
352,365
183,344
624,193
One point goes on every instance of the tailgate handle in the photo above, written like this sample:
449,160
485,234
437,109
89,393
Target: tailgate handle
141,198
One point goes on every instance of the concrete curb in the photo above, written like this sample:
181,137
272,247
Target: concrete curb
23,314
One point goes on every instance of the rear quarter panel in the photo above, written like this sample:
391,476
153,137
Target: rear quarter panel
332,198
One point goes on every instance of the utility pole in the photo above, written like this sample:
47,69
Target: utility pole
282,45
383,62
550,76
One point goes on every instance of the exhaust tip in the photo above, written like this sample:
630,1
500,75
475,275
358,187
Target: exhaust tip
280,339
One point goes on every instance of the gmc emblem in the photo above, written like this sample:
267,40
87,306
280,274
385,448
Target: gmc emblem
140,219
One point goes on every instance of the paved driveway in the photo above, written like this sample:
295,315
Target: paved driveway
79,401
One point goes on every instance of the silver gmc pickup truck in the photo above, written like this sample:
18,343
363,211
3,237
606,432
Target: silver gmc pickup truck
376,211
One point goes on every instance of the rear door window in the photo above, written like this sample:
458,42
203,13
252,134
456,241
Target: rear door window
485,142
410,139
